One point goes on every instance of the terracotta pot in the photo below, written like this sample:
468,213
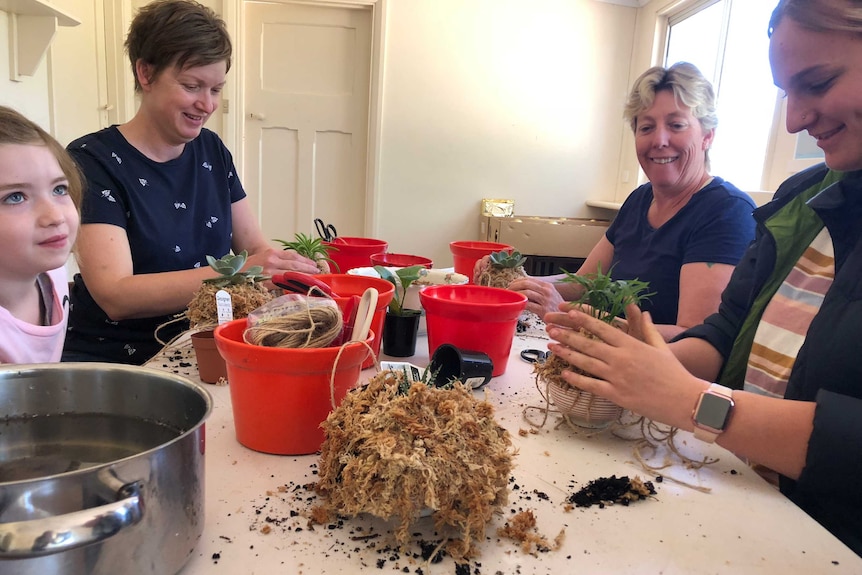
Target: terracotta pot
211,365
584,408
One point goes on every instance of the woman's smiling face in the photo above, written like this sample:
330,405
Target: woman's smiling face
821,74
671,145
183,99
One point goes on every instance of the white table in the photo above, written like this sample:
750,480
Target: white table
743,525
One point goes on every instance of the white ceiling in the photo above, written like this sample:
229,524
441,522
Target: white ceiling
630,3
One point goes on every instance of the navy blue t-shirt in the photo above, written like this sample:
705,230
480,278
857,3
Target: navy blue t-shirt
175,213
715,226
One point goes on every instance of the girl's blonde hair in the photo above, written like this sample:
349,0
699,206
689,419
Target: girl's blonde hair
16,129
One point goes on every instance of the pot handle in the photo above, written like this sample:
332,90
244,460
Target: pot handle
37,537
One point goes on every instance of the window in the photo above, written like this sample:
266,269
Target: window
728,42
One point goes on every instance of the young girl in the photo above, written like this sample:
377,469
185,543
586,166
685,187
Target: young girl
40,190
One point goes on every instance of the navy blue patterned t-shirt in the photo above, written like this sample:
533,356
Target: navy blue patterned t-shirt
715,226
175,213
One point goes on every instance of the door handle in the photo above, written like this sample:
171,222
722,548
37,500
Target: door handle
256,116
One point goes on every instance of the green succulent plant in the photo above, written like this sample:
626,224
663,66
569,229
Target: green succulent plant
309,247
402,278
504,259
229,267
607,297
428,377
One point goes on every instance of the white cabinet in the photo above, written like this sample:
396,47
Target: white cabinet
32,25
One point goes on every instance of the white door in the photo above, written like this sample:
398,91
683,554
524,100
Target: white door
306,79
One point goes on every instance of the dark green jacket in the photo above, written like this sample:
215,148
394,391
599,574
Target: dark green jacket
828,368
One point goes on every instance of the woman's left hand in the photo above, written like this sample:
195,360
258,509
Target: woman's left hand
638,372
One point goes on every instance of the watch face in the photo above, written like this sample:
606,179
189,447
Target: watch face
713,411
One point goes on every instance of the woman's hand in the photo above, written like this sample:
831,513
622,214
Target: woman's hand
642,376
542,296
479,267
276,261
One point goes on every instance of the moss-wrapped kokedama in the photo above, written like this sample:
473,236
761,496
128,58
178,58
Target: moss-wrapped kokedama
245,288
245,298
399,455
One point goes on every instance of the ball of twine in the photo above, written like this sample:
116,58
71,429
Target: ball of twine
311,327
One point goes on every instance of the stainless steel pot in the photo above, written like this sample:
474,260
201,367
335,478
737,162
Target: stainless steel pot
101,469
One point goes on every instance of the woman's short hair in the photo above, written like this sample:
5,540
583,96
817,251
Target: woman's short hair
820,15
18,130
689,87
181,33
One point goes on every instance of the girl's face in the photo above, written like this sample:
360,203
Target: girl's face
671,145
821,73
38,220
182,100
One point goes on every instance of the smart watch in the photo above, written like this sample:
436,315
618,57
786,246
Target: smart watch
712,412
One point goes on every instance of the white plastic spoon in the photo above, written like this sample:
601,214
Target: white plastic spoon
364,314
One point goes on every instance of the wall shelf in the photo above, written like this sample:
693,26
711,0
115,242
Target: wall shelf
32,25
604,204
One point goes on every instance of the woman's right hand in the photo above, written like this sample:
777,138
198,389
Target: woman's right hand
479,267
542,296
638,372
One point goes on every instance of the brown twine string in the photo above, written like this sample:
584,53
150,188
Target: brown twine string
312,327
335,365
651,432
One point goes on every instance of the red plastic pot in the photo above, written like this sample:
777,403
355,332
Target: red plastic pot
280,396
473,317
352,253
465,254
400,260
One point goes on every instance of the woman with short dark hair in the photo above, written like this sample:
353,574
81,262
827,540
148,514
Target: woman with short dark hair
163,193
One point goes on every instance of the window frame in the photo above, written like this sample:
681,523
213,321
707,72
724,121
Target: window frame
780,161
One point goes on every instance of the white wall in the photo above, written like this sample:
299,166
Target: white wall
487,98
76,69
502,99
30,97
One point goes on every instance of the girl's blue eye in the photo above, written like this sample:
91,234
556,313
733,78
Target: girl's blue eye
14,198
61,190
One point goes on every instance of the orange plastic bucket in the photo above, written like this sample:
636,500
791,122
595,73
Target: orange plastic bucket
280,396
473,318
465,254
346,285
352,253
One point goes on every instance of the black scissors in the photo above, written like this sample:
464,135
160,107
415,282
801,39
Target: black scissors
326,231
534,355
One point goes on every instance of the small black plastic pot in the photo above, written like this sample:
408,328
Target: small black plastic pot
400,332
472,368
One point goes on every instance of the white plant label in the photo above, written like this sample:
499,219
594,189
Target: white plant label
224,306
